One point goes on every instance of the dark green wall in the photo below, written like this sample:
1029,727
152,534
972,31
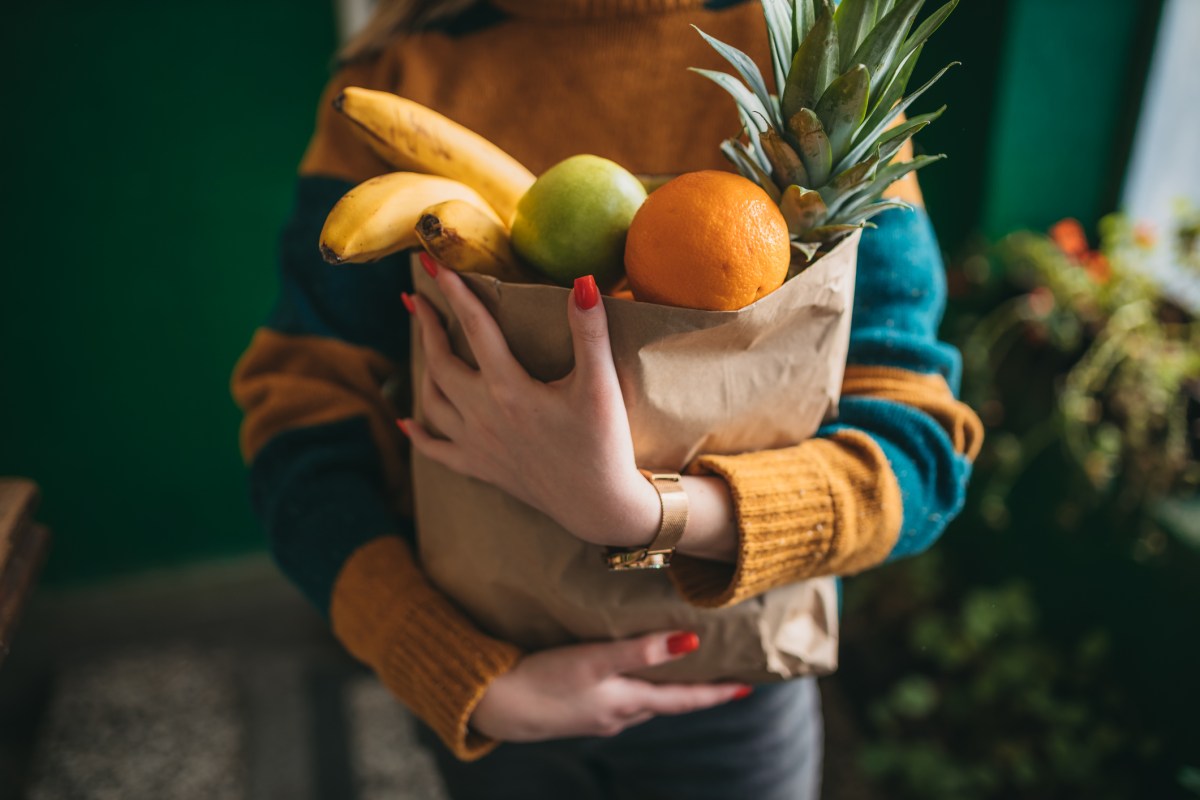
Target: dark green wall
974,37
1070,87
1041,112
150,154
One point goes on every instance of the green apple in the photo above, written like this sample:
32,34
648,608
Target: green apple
573,220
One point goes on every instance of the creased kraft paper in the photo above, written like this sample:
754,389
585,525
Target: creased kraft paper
694,382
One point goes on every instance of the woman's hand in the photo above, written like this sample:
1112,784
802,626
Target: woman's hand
580,691
562,447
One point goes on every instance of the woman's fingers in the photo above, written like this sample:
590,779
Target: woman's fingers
589,333
444,452
631,702
487,342
438,410
449,372
670,699
641,698
630,655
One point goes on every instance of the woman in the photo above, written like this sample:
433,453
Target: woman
546,79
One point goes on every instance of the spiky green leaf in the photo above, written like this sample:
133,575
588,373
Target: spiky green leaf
803,209
804,16
889,149
746,67
867,140
854,19
828,233
843,107
884,178
744,163
855,177
866,212
842,189
880,49
814,66
891,141
778,15
745,99
786,165
883,105
926,29
893,92
918,122
888,175
806,250
813,145
753,129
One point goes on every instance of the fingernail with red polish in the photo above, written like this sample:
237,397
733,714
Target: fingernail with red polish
403,426
742,693
429,264
681,643
406,298
586,292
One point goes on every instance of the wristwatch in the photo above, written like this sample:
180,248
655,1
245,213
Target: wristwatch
657,554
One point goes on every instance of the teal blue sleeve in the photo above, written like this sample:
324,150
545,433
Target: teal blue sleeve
899,301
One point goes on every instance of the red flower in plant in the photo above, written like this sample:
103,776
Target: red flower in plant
1069,236
1097,266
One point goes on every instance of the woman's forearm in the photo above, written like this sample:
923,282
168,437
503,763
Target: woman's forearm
711,530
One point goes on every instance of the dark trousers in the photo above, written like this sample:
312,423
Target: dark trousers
767,746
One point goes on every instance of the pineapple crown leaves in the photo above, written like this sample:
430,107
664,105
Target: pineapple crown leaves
822,148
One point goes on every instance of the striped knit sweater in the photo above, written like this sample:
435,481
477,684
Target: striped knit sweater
546,79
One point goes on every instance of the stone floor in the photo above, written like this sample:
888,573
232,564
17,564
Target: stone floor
217,682
179,721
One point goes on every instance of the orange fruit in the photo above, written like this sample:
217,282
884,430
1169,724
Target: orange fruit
710,240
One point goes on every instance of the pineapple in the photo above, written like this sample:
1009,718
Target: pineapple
823,150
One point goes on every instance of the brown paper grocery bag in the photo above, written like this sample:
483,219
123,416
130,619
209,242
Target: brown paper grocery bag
694,382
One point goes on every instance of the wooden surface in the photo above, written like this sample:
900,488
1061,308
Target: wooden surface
23,546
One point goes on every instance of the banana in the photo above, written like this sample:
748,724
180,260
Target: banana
377,217
410,136
465,239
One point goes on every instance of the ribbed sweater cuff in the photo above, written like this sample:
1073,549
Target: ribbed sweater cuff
829,506
785,516
422,647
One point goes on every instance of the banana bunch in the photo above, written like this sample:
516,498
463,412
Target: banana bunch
459,234
456,196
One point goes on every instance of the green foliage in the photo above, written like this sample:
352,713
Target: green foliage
1130,371
1048,647
988,704
1189,779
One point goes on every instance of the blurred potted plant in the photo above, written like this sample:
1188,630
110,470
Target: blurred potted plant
1043,649
1124,407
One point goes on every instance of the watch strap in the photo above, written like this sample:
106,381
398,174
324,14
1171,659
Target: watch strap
674,503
